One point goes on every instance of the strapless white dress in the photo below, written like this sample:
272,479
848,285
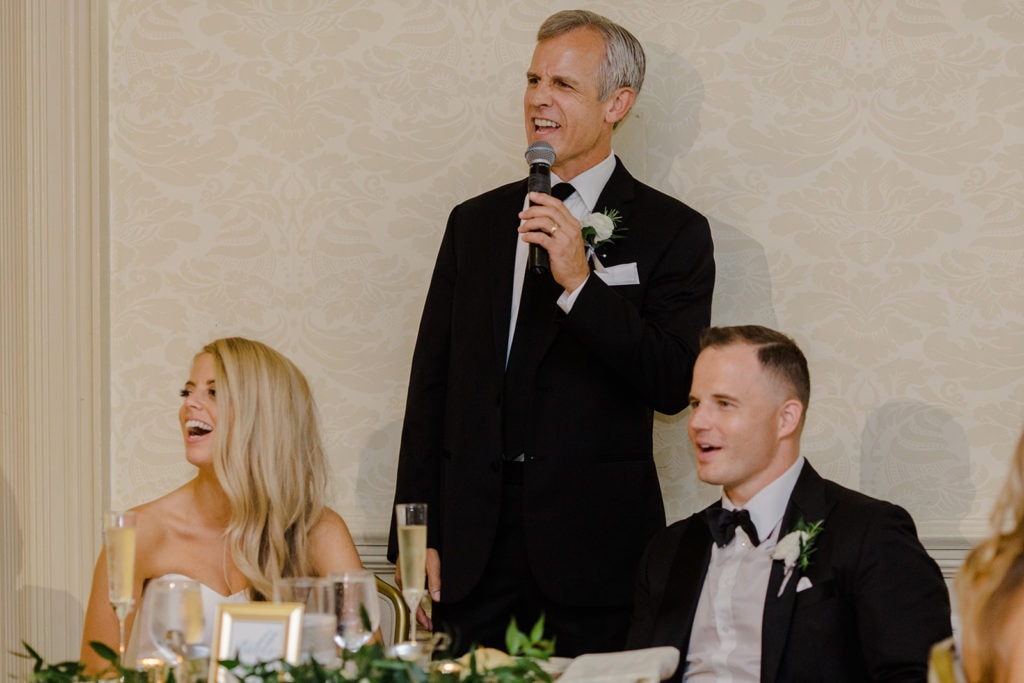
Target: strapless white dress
141,645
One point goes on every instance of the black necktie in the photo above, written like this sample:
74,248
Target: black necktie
723,525
516,417
562,190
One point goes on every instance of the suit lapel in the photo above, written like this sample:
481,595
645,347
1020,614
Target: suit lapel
808,502
618,194
674,621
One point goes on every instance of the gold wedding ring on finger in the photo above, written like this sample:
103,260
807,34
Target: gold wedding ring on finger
554,229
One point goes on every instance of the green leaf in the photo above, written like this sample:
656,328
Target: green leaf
105,651
364,617
537,632
31,652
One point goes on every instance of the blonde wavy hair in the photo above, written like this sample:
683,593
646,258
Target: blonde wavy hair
270,460
990,581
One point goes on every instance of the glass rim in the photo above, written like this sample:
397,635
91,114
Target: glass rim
301,580
351,573
119,519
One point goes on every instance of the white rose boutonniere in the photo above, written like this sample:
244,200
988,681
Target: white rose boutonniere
601,227
796,547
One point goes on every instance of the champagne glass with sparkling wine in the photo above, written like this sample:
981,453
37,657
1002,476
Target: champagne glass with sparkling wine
119,541
412,555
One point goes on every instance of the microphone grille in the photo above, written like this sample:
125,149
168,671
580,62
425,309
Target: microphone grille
540,152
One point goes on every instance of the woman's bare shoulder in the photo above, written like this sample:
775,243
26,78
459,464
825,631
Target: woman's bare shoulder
329,525
331,544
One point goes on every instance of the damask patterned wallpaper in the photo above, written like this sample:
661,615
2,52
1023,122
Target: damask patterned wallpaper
283,170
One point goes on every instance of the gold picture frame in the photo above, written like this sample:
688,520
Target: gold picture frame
255,632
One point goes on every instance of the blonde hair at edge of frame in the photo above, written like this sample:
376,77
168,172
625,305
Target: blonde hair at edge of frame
990,583
270,460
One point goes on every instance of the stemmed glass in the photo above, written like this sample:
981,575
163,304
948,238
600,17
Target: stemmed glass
175,615
119,540
358,608
319,619
411,520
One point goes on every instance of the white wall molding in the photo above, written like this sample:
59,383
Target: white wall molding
54,459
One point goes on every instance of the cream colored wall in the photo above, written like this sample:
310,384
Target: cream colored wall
284,170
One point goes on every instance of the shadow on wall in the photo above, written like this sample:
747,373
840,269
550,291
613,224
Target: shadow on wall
660,132
29,610
665,120
10,566
916,455
658,135
378,469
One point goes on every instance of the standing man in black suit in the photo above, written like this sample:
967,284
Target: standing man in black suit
528,423
789,577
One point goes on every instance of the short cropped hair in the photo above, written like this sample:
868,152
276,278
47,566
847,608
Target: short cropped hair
778,354
624,62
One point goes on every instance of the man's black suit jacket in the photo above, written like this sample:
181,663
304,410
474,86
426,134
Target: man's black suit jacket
876,604
592,379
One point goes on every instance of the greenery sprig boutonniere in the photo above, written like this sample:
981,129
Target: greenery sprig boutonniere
600,228
796,547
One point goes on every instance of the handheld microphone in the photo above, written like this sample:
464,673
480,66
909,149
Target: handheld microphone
540,155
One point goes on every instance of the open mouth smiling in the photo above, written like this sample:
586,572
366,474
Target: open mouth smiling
545,124
197,428
707,449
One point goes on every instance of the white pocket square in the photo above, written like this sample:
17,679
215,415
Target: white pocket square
622,274
803,584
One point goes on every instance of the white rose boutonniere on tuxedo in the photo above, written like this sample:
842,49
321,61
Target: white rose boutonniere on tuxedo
601,228
796,547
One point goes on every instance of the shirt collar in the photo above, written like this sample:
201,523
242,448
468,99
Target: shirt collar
591,182
768,505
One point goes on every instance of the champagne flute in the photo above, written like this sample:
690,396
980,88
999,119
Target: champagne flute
411,520
175,615
119,541
358,608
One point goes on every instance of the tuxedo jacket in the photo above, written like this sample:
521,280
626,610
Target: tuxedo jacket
876,604
590,381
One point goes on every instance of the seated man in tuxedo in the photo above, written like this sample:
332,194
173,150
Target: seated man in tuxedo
789,577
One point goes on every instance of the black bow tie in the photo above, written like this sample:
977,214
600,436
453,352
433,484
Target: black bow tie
723,525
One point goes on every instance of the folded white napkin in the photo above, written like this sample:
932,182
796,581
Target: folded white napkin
632,666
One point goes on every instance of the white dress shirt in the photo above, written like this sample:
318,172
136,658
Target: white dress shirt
725,643
588,186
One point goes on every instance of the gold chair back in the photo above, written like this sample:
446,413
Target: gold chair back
394,613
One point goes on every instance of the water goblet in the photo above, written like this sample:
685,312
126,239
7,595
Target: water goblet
119,543
411,520
357,607
319,620
175,622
